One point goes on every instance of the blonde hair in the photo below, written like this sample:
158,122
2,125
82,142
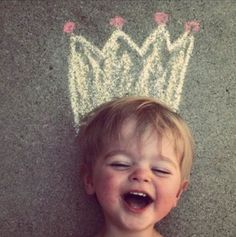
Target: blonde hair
102,126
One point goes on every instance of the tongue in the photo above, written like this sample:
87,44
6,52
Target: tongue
136,202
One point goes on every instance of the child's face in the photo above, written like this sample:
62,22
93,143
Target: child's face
137,183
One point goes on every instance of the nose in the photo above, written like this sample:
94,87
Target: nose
140,175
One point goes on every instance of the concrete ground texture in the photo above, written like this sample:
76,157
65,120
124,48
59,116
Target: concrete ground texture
41,194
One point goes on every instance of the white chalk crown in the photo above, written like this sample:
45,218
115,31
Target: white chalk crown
121,67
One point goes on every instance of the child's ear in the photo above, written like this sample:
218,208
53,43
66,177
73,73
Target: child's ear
183,188
88,180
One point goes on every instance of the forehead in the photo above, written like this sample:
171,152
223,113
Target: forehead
130,129
131,133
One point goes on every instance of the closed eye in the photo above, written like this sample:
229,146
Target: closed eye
120,166
160,171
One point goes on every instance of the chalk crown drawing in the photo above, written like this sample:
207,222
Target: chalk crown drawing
121,67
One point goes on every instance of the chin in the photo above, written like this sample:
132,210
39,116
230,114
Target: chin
137,224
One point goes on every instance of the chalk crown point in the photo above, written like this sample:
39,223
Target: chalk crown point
161,18
118,22
69,27
192,26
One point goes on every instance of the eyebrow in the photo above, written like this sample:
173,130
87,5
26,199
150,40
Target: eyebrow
168,160
126,153
117,151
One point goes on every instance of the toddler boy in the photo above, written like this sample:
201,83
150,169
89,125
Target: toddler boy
136,158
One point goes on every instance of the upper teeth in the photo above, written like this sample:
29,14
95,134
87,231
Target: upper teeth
139,194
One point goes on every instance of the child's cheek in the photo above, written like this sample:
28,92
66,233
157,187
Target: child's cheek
108,187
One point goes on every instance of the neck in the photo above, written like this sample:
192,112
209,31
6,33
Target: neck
112,231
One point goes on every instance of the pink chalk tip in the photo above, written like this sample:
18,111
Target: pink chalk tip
161,18
192,26
118,22
69,27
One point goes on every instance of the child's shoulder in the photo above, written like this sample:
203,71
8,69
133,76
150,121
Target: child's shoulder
97,235
156,235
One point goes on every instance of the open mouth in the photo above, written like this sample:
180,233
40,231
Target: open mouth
137,200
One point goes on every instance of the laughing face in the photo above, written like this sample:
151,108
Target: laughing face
138,181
